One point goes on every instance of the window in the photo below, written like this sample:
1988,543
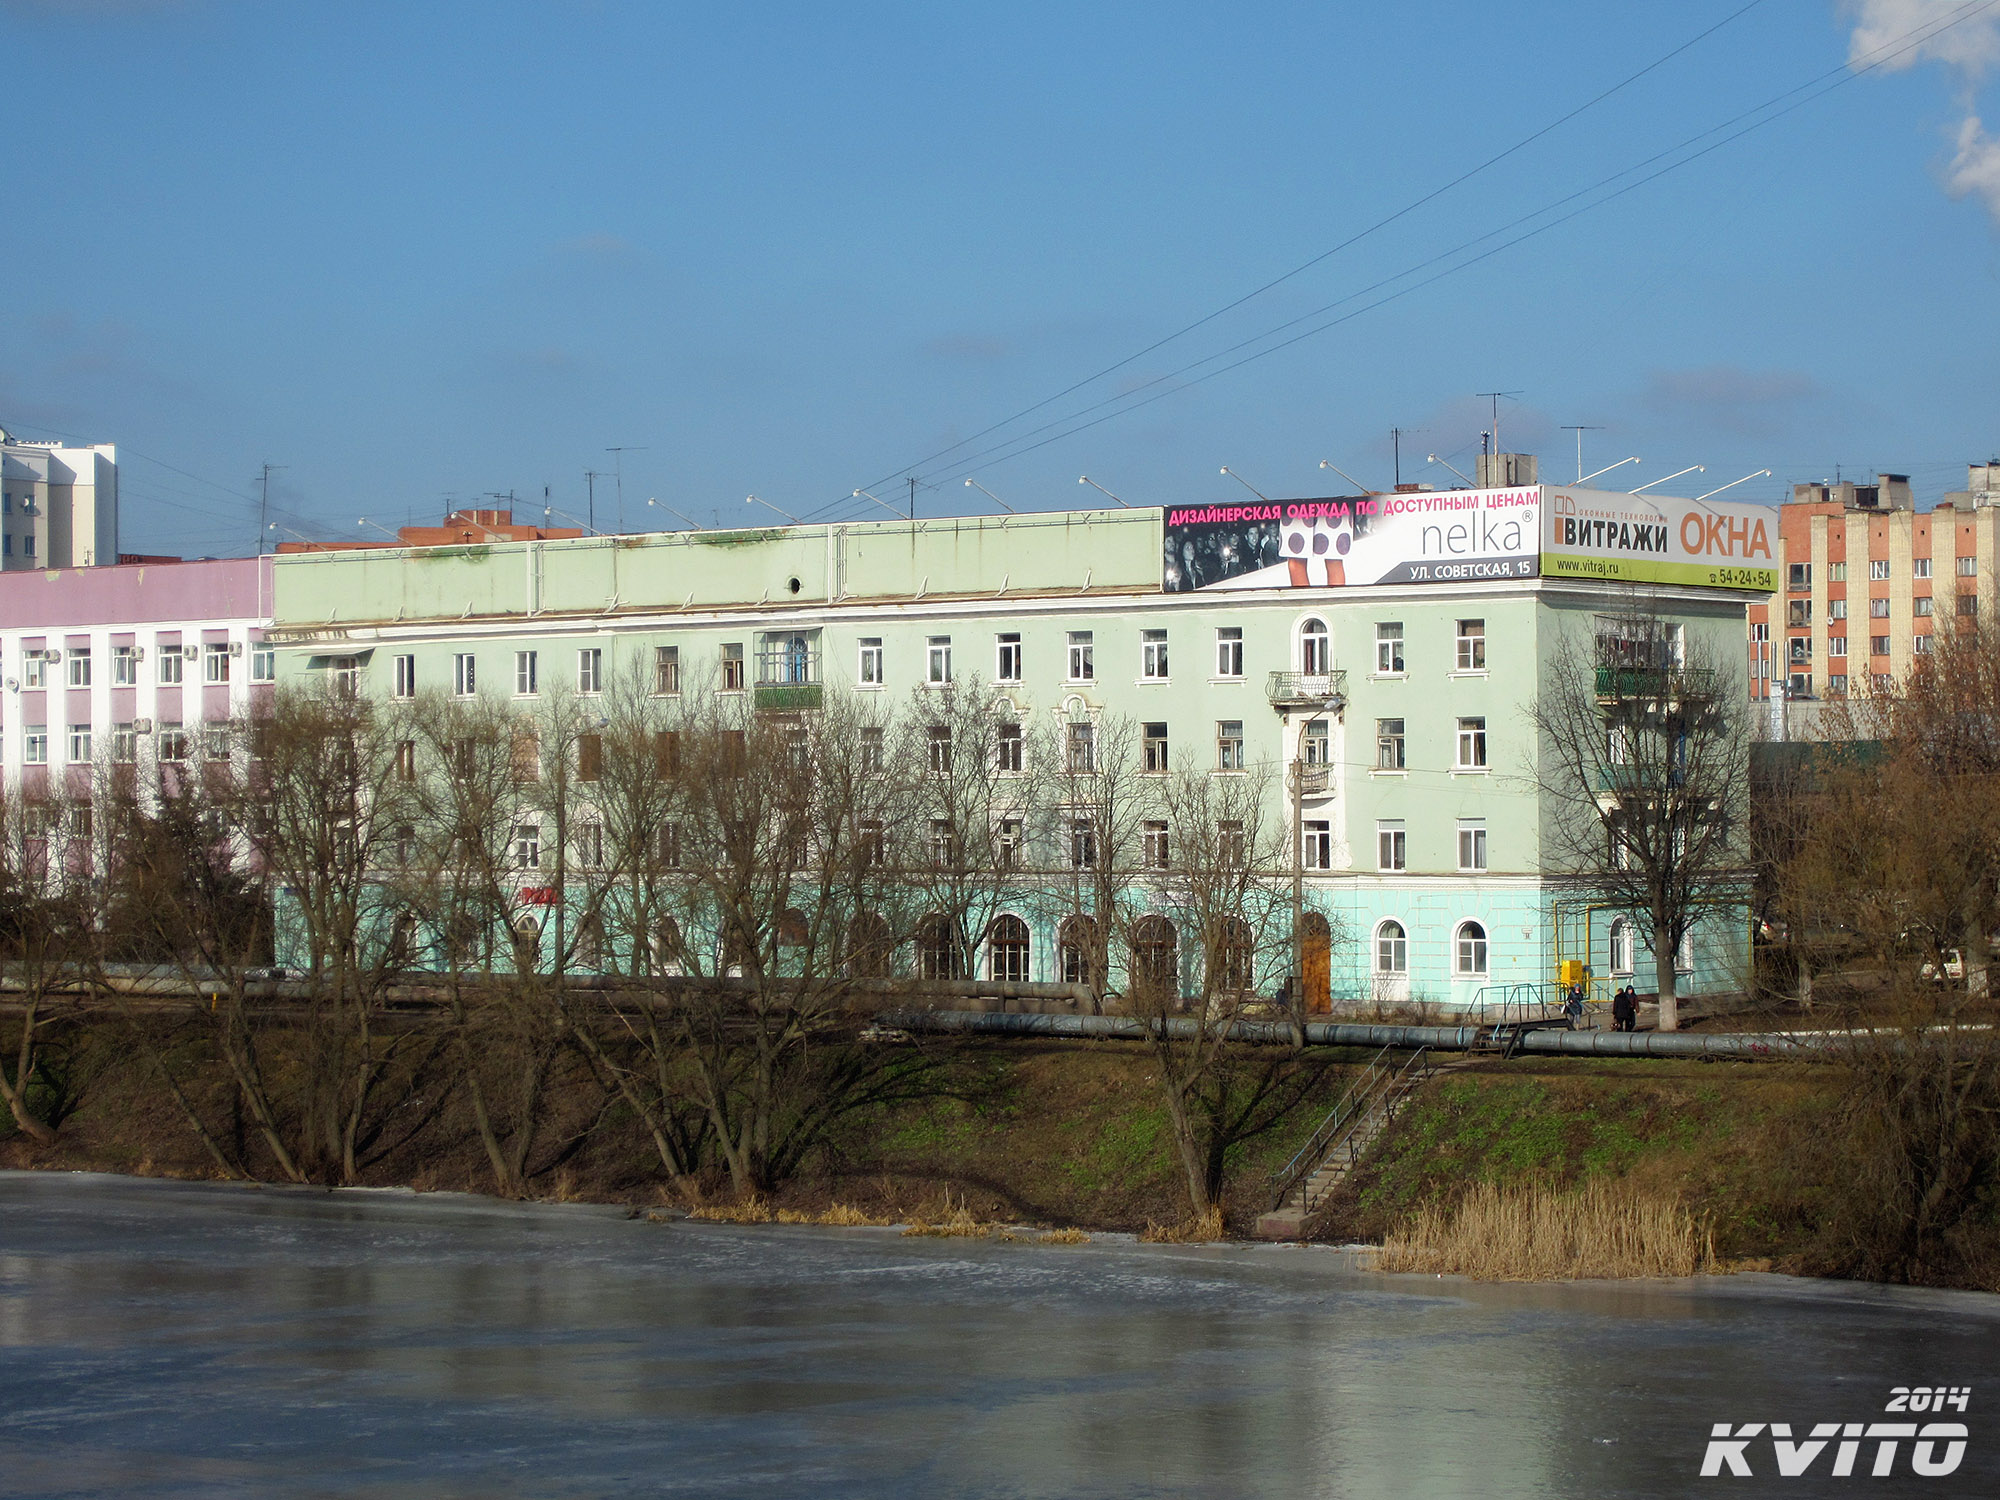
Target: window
1082,657
1471,744
1836,645
1878,570
406,760
1389,745
1920,567
124,743
590,757
1154,739
1881,682
1392,949
1966,567
35,745
1153,844
1229,745
1878,609
1968,604
1799,575
1621,946
590,670
1007,951
871,751
79,667
937,660
1007,747
1835,572
171,744
170,659
1878,645
1318,844
1229,651
1921,645
1799,685
35,669
1836,684
1392,849
1472,645
1798,612
27,546
1232,845
527,846
1472,844
732,667
124,666
1007,657
79,744
464,674
1315,649
938,749
1007,843
406,677
214,662
589,841
1801,648
1471,945
667,846
1316,744
1082,844
1836,609
1076,949
1082,749
871,661
263,664
1922,607
1389,647
215,739
1153,655
666,670
527,674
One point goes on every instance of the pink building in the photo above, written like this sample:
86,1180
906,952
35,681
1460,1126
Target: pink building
133,663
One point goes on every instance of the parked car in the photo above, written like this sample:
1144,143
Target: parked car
1954,968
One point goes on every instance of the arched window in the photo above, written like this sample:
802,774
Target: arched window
527,943
1007,950
1315,649
1235,956
1471,948
868,945
1155,959
940,955
1392,949
1076,949
1621,946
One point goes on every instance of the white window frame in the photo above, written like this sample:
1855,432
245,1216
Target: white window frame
35,745
527,846
937,661
79,666
1878,569
589,671
1007,656
1315,653
1155,755
1229,652
1472,747
527,674
263,664
1316,843
1082,655
1153,655
1392,845
1392,954
1229,747
464,674
405,685
124,666
35,669
215,662
1389,649
1920,567
1392,745
1472,844
1471,958
1469,646
868,662
666,671
79,744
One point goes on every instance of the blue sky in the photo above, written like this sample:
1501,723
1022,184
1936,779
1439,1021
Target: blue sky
417,251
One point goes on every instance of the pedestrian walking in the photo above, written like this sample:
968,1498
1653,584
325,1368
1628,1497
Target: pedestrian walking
1624,1010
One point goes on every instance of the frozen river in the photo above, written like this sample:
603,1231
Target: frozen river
179,1339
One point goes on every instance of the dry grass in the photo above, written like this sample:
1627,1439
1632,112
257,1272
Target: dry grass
751,1210
1537,1234
1197,1229
1063,1237
843,1214
959,1223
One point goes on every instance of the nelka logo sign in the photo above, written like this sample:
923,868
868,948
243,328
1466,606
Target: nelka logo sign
1930,1450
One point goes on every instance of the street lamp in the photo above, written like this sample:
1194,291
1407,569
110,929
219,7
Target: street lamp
1734,482
1327,463
674,513
1585,479
1086,479
754,500
1246,484
864,495
1436,460
976,485
1690,469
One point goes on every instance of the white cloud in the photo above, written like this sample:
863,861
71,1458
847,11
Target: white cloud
1884,27
1975,171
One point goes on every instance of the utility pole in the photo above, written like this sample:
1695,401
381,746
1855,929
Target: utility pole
621,452
590,484
1396,443
913,497
264,505
1580,431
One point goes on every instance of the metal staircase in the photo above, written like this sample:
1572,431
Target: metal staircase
1343,1138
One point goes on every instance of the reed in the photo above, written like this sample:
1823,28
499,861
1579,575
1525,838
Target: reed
1532,1233
1198,1229
751,1210
845,1215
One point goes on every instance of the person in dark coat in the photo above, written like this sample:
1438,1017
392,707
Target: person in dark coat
1624,1010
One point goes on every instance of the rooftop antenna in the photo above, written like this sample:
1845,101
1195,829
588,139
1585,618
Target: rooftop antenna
1690,469
1086,479
1246,484
912,481
590,486
1495,396
620,464
1436,460
264,505
1396,447
864,495
674,513
976,485
1734,482
1327,463
1580,431
754,500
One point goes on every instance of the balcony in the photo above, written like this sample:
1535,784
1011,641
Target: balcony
788,679
1620,684
1306,690
1313,780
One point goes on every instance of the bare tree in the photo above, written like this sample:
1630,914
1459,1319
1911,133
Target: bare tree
1643,775
1096,808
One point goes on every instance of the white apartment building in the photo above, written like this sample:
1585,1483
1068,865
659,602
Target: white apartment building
58,505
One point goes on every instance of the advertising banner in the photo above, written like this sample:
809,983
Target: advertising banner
1441,536
1644,539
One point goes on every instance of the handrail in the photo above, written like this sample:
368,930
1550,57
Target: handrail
1386,1100
1314,1151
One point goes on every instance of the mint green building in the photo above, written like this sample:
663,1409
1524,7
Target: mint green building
1405,700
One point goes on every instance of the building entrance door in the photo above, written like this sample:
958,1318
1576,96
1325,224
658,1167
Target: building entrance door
1318,964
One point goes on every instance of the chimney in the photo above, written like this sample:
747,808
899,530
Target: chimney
1505,471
